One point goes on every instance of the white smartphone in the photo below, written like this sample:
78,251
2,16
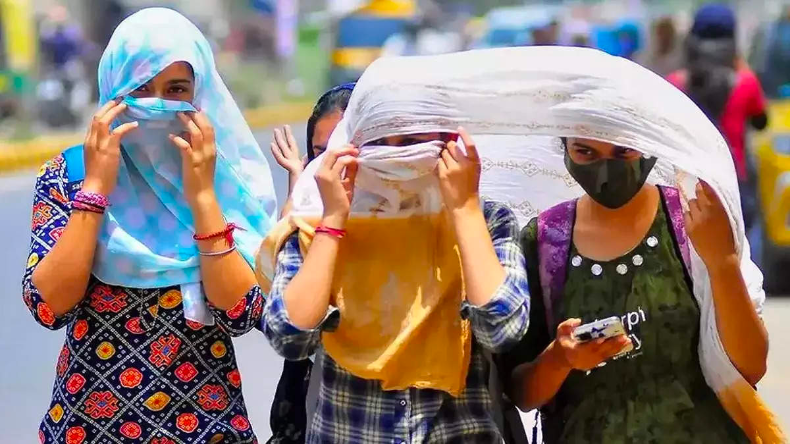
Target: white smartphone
603,328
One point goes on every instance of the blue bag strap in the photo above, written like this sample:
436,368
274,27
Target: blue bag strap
75,169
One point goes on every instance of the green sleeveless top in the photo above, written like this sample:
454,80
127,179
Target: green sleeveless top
655,394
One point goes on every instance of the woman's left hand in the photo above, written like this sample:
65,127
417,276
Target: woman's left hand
199,156
708,227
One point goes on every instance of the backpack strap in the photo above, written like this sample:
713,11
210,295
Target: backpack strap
671,197
75,169
555,229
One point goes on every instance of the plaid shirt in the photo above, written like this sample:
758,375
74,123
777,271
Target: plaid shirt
355,410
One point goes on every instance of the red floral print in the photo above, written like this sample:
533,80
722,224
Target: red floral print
103,299
75,383
164,350
212,397
42,213
186,372
101,405
131,378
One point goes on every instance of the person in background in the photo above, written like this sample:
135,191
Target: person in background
546,35
727,91
327,113
666,55
152,288
63,93
289,413
771,62
629,39
62,40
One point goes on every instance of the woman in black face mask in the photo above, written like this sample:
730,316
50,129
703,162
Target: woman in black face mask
610,175
621,250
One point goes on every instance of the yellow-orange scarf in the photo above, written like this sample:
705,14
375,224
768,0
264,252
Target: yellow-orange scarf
398,286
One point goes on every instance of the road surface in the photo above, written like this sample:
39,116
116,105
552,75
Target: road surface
28,352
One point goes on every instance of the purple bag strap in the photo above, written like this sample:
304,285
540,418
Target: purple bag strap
555,231
671,198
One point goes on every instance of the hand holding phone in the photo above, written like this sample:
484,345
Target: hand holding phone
603,328
597,342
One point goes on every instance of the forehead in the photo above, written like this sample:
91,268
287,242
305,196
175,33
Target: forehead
175,71
590,143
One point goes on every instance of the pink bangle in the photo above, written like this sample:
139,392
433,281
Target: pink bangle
95,199
82,206
334,232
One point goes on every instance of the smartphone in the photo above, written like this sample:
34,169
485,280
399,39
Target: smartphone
603,328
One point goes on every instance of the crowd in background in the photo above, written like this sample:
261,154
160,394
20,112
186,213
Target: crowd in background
247,41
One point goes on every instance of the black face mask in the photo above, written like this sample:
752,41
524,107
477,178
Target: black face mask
611,182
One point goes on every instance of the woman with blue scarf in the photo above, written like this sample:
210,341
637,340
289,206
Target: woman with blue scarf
142,240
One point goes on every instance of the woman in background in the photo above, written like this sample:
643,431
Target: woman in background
289,413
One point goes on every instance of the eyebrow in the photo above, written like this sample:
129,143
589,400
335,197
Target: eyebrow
617,147
583,145
180,82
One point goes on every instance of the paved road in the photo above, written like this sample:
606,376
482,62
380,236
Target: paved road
28,352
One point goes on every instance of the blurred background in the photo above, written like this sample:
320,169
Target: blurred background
277,57
270,51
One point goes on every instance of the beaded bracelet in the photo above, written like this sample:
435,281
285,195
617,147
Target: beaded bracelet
227,233
94,199
83,206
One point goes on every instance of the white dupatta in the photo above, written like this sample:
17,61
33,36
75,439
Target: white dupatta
516,102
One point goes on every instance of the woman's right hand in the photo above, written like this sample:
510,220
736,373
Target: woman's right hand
286,151
335,178
588,355
102,148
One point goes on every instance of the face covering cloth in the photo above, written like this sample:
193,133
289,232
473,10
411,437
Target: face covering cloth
400,311
146,238
517,103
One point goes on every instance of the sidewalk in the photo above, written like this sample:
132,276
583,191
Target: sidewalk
32,153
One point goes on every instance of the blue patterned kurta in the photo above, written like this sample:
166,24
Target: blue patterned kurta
356,410
132,368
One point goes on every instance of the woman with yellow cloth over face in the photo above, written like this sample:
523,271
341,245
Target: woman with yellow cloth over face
404,295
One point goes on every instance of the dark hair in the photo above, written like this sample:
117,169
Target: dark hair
711,73
336,99
714,21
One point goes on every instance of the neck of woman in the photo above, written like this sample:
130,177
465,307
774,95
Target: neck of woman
643,205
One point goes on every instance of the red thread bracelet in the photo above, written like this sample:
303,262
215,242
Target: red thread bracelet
227,233
334,232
